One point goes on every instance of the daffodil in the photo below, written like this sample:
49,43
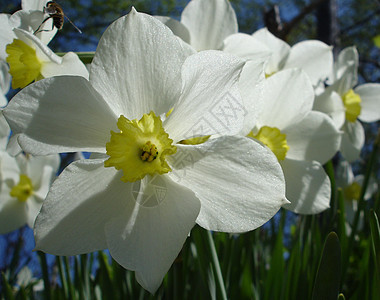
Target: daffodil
351,186
5,82
347,104
25,181
212,24
313,57
26,51
143,190
30,60
302,140
29,18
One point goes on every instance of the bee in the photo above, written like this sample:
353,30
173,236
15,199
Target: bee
55,12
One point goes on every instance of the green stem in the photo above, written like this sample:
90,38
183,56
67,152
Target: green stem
361,204
45,274
215,264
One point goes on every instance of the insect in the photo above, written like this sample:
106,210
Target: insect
55,12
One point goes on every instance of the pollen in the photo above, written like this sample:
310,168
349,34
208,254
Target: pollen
140,148
352,104
24,65
273,139
23,190
149,152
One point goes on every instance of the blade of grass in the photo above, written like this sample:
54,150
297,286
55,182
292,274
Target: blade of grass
327,281
375,233
45,274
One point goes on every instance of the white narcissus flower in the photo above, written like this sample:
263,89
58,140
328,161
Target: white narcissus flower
5,82
30,60
25,49
313,57
301,139
25,182
347,104
144,190
28,19
351,186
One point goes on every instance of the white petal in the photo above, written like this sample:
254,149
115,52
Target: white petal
251,88
33,4
314,57
42,170
31,21
245,46
70,65
370,95
346,82
371,188
344,175
60,114
81,201
288,97
6,34
33,206
176,27
307,186
210,102
137,66
209,23
13,147
352,140
315,137
330,103
238,181
5,82
348,59
4,132
148,239
9,168
43,52
280,50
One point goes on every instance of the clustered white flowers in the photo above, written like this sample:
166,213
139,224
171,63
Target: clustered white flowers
188,123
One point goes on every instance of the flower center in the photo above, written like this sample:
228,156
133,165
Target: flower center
351,102
24,65
353,191
23,189
149,152
140,148
274,139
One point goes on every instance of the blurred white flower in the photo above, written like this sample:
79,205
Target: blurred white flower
30,60
351,186
314,57
301,139
29,19
347,104
26,50
25,181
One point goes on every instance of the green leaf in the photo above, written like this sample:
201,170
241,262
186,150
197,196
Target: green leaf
327,281
375,233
